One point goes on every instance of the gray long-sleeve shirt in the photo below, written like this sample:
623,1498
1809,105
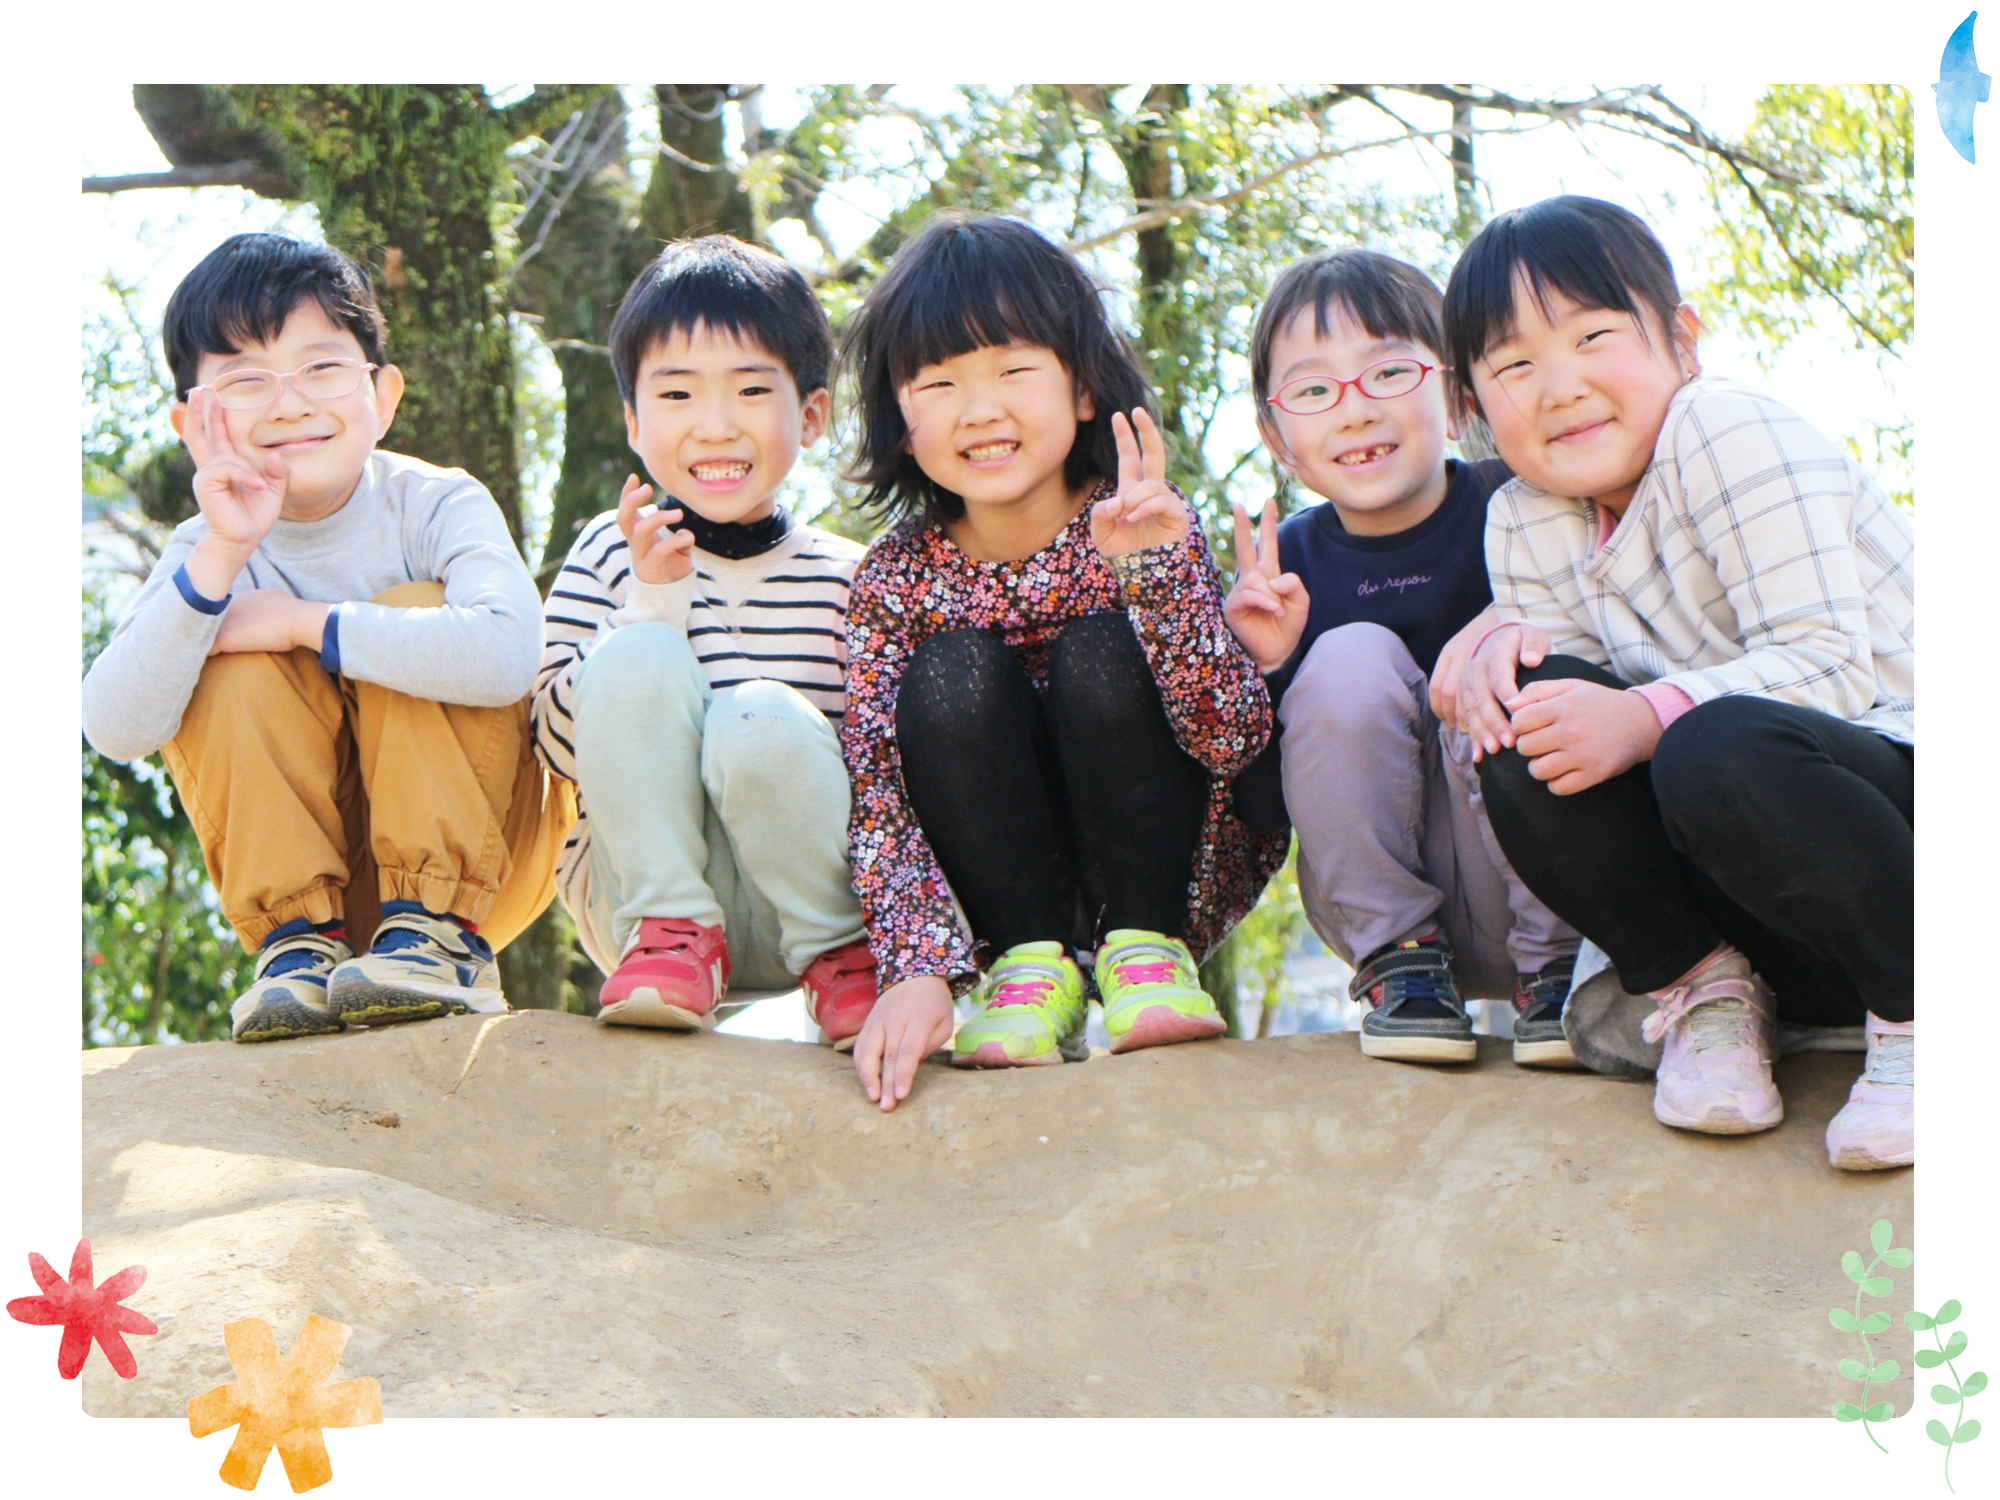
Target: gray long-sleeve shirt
407,521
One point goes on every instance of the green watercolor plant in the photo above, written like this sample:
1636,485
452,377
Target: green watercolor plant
1870,1373
1963,1428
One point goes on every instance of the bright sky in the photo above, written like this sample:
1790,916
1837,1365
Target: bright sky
157,237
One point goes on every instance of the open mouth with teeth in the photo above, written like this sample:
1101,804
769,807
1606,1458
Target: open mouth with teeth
722,471
1366,455
988,452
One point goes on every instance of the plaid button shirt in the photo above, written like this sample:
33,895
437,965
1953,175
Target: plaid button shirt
1754,558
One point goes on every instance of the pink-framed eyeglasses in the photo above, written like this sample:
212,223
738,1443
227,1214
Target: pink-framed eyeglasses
1310,395
321,380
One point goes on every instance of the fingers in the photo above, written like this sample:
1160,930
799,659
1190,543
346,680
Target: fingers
1129,461
1539,692
1152,447
1534,645
1162,503
635,494
1248,559
868,1059
1267,534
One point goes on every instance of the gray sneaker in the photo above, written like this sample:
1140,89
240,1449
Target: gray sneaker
287,994
1538,1017
1413,1011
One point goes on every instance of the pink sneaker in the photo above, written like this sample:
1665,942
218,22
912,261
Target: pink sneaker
1877,1126
1721,1036
840,990
673,974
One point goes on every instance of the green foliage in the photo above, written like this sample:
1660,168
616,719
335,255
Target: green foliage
1962,1429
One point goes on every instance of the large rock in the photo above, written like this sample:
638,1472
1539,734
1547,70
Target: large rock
533,1213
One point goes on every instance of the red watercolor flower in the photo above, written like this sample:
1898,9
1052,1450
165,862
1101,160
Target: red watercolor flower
86,1312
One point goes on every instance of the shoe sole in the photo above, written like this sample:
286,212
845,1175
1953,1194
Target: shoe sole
1545,1055
647,1008
369,1004
1724,1121
1162,1026
279,1023
1424,1049
994,1055
1859,1159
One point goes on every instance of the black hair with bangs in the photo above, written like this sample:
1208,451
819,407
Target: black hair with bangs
972,281
246,287
721,284
1596,254
1388,298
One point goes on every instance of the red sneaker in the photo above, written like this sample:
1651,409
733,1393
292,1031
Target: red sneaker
840,990
673,975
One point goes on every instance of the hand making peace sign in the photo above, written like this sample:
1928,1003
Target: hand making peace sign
239,496
1267,608
1145,512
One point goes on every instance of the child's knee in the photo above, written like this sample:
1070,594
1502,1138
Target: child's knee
763,735
638,671
1707,756
957,682
424,593
1351,670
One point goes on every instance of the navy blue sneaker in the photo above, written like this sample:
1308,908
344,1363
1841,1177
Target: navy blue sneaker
1413,1011
420,965
1538,1017
287,994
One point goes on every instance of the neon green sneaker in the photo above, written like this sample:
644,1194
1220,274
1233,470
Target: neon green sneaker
1031,1010
1151,991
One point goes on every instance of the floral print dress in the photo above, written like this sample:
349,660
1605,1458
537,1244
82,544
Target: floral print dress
914,584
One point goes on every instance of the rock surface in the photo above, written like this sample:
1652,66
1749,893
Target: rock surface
534,1214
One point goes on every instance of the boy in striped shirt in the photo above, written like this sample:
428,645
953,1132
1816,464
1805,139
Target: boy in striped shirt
691,685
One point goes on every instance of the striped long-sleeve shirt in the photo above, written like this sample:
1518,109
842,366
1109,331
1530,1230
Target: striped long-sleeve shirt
781,615
1755,557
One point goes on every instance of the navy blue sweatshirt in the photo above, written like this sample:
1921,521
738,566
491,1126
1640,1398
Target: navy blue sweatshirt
1423,583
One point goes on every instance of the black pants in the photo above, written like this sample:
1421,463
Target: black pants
1782,830
1054,817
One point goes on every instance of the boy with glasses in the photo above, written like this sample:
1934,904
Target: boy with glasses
1361,612
334,658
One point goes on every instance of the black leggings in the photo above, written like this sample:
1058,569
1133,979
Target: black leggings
1782,830
1057,816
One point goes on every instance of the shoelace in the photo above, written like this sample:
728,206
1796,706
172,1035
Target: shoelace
1892,1059
1717,1013
1156,971
1030,990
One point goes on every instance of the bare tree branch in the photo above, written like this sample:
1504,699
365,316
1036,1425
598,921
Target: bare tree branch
220,174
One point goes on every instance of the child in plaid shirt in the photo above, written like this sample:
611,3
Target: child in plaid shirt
1712,775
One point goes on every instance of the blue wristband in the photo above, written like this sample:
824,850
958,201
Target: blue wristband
195,598
329,644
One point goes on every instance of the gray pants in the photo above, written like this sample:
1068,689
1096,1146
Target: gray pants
1393,841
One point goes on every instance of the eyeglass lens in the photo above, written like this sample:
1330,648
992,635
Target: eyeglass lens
1315,394
322,380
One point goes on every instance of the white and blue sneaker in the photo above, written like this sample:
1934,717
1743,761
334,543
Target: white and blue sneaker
287,994
420,965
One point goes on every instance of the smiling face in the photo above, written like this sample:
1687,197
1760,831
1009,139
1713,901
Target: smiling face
1380,463
324,444
1576,396
995,427
719,423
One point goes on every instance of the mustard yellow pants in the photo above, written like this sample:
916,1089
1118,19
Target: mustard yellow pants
321,797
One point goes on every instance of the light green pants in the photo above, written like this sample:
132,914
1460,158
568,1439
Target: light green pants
724,807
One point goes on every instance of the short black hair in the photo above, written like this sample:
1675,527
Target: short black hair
246,287
723,285
1389,298
1594,253
971,281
